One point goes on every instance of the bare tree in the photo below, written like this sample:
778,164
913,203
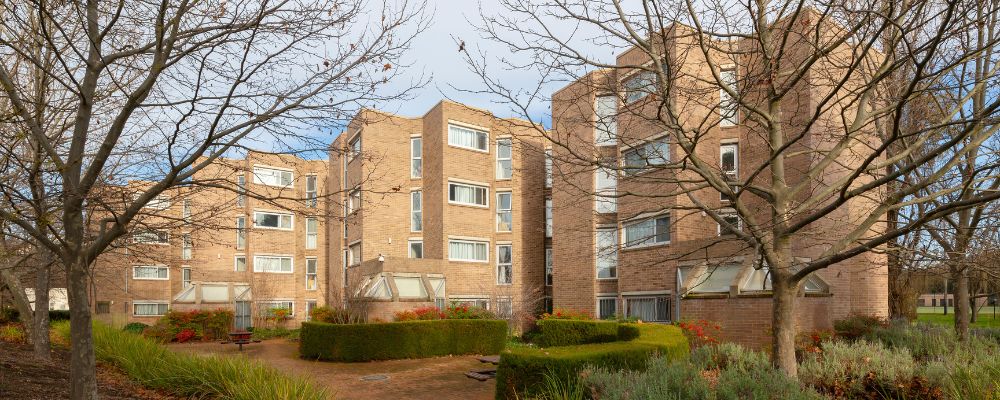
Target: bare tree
810,88
157,91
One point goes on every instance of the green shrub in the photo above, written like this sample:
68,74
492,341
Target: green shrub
58,315
13,333
206,325
858,326
135,327
863,369
194,376
467,312
567,332
662,379
272,333
8,315
396,340
522,370
334,315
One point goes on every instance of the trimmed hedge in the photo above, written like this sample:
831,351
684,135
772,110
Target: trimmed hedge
522,370
396,340
567,332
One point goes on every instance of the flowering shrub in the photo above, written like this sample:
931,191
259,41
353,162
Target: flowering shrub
561,313
205,324
467,312
701,333
184,335
420,314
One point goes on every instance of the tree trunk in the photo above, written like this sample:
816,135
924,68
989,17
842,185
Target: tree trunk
962,309
40,329
783,325
83,373
20,298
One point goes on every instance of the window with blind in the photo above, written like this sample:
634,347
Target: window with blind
468,194
151,237
468,250
151,272
607,307
467,138
649,232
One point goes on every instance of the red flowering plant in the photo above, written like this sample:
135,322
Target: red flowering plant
420,314
561,313
701,333
465,311
185,335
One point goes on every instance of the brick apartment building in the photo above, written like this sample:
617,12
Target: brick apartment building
254,243
440,209
622,248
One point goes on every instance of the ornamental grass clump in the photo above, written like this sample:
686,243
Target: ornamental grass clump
193,376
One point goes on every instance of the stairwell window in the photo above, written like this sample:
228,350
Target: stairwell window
505,220
272,176
354,254
548,168
468,250
649,232
468,194
505,167
416,157
505,265
729,158
467,138
312,232
548,218
548,266
241,233
272,220
354,147
185,277
186,210
606,127
605,187
241,190
311,191
727,104
151,272
416,211
606,249
273,264
311,267
186,246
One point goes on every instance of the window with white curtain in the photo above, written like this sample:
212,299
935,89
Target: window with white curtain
149,309
416,157
505,219
468,250
312,232
606,129
274,264
654,153
648,232
468,138
272,176
272,220
505,265
241,233
467,194
648,308
311,268
606,247
548,217
605,187
416,211
505,168
151,272
727,104
607,307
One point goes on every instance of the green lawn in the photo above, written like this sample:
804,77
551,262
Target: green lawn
985,319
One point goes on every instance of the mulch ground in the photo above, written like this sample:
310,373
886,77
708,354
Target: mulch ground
23,377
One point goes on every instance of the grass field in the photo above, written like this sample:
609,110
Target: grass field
986,319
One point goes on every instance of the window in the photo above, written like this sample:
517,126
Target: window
727,104
185,277
606,129
547,304
548,266
468,250
186,210
548,168
312,232
639,85
241,190
758,280
354,254
240,264
186,246
438,285
648,308
483,303
273,220
102,307
274,264
354,147
505,168
505,307
605,186
380,289
650,154
310,306
467,138
416,158
410,287
505,219
607,307
241,233
649,232
505,266
311,267
607,253
149,309
151,237
416,211
731,218
713,279
729,166
467,194
272,176
416,249
158,203
548,217
151,272
311,191
353,201
265,308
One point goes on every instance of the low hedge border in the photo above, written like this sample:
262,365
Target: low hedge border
521,372
398,340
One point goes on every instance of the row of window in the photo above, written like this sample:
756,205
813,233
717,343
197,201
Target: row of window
465,250
262,263
265,308
469,195
468,139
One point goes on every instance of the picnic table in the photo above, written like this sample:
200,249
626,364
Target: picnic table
485,374
240,338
